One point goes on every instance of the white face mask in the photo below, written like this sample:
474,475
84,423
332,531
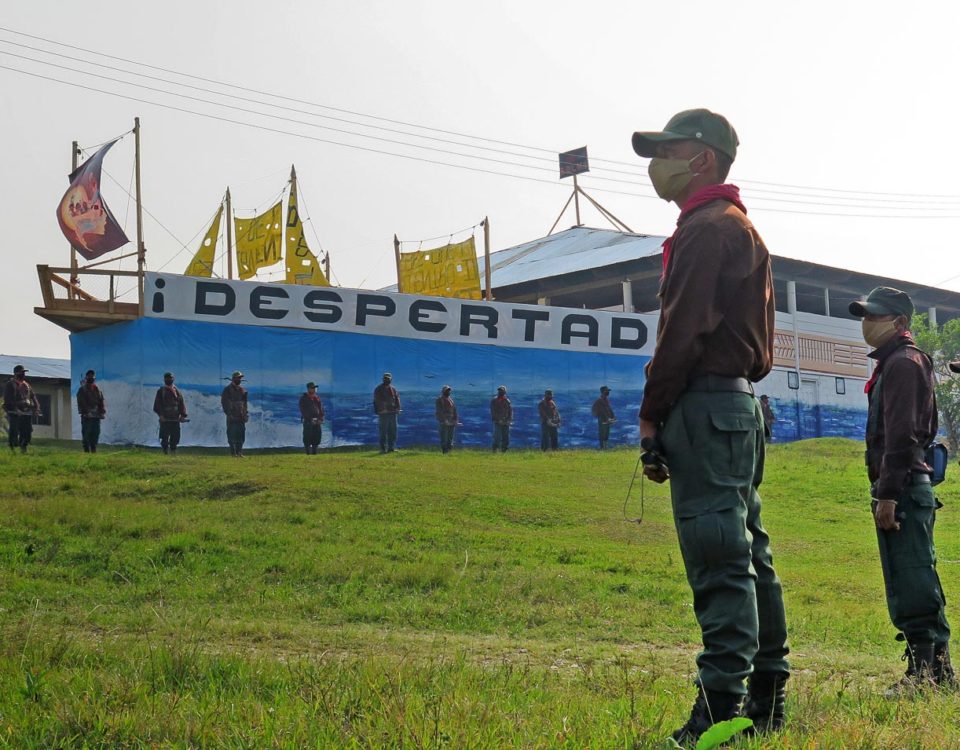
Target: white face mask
671,176
878,332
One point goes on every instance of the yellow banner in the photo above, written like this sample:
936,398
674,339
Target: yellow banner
448,271
202,263
301,264
258,241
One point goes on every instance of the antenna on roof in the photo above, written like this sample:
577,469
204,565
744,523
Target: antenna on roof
573,163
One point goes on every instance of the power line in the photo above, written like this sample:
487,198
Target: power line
226,84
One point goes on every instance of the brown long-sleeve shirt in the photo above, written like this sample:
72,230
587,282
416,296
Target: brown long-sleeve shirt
90,401
446,411
602,410
902,417
311,407
501,410
19,398
168,404
386,400
717,313
233,400
548,412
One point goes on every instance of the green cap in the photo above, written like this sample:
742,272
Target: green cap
236,374
883,300
691,125
311,384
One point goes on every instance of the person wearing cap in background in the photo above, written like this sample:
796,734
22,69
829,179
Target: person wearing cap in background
170,409
901,423
604,413
446,414
769,418
92,408
501,412
21,405
714,339
233,400
386,405
311,414
549,421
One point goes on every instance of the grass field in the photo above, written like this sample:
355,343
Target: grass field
417,601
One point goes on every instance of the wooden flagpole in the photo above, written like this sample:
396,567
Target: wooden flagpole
229,237
141,250
486,258
74,278
396,253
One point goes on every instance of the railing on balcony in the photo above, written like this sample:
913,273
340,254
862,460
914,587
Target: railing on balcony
80,299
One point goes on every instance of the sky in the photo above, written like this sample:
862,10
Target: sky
844,112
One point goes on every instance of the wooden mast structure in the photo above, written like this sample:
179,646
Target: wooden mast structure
229,235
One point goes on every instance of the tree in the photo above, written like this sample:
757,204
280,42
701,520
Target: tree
943,345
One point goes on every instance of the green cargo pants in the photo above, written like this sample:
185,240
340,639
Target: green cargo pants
914,596
714,445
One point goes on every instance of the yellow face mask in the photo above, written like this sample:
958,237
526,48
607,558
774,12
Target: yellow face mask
670,176
878,332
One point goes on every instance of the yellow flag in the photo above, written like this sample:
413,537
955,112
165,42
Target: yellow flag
448,271
202,263
258,241
302,265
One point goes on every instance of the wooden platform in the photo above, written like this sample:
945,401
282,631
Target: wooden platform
69,306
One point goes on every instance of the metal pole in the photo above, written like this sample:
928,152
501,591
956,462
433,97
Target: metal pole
576,198
486,257
396,253
229,237
141,250
326,265
74,278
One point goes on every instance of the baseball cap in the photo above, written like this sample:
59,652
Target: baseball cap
237,374
388,376
604,389
690,125
502,388
883,300
20,368
167,375
311,384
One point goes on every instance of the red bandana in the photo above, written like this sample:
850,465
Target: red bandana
703,196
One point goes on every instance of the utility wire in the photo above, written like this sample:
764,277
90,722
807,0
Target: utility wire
431,161
403,123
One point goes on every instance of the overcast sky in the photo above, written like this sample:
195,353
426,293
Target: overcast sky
841,108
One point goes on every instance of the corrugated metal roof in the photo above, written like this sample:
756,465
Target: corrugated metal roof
37,367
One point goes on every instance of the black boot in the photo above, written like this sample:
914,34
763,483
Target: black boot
942,668
710,708
766,696
920,670
233,450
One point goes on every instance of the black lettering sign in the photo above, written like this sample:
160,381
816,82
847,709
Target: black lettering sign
202,305
326,313
530,318
619,341
261,305
420,318
591,334
476,315
374,304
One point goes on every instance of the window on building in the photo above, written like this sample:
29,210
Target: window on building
46,406
793,380
780,295
810,299
841,386
840,304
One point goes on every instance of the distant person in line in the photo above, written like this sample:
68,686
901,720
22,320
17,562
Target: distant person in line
386,405
714,340
170,409
233,400
769,417
446,414
92,408
549,422
311,414
604,414
501,412
901,423
21,405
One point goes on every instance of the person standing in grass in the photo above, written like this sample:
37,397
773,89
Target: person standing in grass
170,409
386,405
714,340
21,405
769,417
446,414
604,414
901,423
92,408
549,422
501,412
311,414
233,400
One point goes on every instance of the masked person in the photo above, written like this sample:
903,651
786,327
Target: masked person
501,412
311,414
901,423
549,422
21,405
170,409
233,400
603,412
714,339
446,414
386,405
92,408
